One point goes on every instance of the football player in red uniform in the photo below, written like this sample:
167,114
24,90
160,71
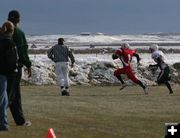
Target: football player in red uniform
125,54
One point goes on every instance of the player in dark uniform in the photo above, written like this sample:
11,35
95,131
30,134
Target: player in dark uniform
158,57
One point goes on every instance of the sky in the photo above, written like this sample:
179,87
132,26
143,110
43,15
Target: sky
106,16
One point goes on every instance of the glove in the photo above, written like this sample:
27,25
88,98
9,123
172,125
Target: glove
114,56
29,73
150,66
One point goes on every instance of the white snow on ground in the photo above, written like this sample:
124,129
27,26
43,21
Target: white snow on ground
90,58
45,41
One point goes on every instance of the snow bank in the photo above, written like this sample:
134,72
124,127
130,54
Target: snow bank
92,70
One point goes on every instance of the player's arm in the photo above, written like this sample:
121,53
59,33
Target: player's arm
137,57
114,56
117,54
71,56
155,65
158,61
50,53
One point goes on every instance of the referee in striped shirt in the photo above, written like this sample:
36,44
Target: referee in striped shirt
60,54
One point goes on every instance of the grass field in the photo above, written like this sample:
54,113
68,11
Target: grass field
96,112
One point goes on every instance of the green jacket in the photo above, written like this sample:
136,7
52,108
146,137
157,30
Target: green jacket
22,47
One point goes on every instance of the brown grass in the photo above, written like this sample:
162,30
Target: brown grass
96,112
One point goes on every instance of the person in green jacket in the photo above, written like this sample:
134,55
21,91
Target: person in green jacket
13,88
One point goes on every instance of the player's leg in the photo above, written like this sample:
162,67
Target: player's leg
164,77
169,87
118,73
132,77
66,78
60,78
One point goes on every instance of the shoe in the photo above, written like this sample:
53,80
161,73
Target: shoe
171,92
123,86
26,124
146,91
3,129
65,93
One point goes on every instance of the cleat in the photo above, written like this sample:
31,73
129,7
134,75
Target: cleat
65,93
171,92
146,90
123,86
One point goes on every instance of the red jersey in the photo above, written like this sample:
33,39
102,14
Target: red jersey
125,55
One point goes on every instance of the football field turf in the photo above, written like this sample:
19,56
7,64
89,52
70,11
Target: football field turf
96,112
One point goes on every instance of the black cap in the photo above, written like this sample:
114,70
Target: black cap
61,39
13,16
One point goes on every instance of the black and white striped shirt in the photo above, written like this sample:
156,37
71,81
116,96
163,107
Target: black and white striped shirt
60,53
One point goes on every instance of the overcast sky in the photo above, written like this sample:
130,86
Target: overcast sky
106,16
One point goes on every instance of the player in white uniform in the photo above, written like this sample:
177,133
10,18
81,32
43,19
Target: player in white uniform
159,58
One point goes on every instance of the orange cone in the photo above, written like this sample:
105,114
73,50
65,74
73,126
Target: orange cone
50,133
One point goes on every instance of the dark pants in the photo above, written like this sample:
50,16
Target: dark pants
14,95
3,102
163,75
164,78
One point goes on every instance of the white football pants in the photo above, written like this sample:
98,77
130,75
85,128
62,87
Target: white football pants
61,70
